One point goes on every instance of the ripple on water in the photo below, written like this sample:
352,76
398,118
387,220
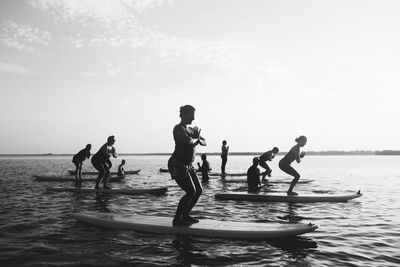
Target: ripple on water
36,228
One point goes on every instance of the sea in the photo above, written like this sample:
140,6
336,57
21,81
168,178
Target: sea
36,228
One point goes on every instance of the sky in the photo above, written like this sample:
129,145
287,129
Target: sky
259,73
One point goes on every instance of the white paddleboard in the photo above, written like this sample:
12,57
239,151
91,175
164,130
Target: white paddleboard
125,191
270,181
283,197
111,173
49,178
205,228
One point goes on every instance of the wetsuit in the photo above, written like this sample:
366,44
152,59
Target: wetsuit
253,178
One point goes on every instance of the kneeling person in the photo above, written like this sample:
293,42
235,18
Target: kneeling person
253,176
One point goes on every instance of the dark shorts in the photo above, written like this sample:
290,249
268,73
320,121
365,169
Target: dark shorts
179,170
100,166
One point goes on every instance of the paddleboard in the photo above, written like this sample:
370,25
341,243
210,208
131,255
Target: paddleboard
125,191
282,197
111,173
205,228
244,180
227,174
49,178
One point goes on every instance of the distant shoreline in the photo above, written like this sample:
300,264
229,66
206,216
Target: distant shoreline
317,153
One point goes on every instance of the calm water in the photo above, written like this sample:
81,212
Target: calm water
36,228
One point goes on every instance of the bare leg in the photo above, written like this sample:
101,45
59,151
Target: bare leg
292,185
106,178
224,161
265,166
296,176
79,171
101,169
78,174
185,202
195,198
76,170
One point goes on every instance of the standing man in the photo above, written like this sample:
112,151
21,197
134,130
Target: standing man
101,162
224,156
181,168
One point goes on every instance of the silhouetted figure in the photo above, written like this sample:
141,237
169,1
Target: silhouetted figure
101,162
181,168
253,176
224,156
121,169
204,168
292,155
267,156
78,160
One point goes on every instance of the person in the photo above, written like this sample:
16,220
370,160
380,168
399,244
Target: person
101,162
292,155
253,176
78,160
267,156
224,156
204,168
181,168
121,170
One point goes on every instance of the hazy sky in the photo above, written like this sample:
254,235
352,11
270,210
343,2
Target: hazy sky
259,73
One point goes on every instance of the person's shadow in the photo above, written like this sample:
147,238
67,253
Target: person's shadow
194,251
183,245
101,202
299,246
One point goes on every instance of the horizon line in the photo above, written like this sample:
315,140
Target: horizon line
321,152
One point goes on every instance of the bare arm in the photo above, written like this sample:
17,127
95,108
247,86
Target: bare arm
182,136
297,154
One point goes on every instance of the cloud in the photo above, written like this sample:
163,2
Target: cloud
109,11
114,24
14,69
23,37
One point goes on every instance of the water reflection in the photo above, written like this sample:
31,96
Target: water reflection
183,245
297,247
193,251
101,202
291,213
209,252
38,218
